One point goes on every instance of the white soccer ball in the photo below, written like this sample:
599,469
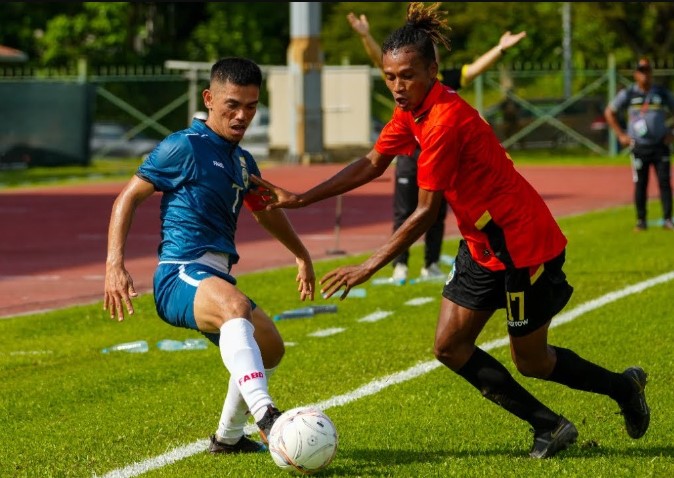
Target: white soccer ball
303,440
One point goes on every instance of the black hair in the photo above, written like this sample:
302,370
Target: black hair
422,30
240,71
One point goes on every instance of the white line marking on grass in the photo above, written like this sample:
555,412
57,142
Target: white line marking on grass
327,332
379,384
419,301
167,458
375,316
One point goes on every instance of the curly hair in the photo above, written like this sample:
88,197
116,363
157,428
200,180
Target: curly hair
423,29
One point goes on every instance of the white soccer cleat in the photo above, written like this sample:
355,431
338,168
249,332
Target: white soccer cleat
399,273
431,272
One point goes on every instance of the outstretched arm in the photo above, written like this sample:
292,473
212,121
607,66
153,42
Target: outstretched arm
118,283
361,26
278,225
484,62
414,226
359,172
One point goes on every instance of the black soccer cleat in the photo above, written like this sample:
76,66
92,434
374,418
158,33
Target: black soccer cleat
548,442
267,421
635,410
244,445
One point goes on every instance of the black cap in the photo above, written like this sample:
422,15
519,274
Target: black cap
644,65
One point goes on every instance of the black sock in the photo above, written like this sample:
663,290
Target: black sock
576,372
495,383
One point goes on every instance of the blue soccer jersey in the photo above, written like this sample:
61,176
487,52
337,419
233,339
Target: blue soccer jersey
204,179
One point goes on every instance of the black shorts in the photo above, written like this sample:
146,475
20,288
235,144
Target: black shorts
531,296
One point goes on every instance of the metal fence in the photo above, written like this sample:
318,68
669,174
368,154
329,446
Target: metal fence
524,103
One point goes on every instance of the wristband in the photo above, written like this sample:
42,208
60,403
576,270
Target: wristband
502,50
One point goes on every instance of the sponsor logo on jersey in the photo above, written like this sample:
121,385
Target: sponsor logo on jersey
218,164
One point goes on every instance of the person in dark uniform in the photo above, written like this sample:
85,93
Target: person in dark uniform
406,190
647,107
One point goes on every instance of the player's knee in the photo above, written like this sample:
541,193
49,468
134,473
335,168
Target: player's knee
450,354
531,368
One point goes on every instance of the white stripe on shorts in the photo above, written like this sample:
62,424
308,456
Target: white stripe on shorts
185,278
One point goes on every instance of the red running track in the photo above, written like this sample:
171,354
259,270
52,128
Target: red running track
53,239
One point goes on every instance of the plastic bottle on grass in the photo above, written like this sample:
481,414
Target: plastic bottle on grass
169,345
305,312
196,344
357,292
138,346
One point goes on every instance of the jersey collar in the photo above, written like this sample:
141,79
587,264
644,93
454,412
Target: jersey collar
431,98
201,128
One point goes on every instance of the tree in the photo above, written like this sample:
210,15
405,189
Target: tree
257,30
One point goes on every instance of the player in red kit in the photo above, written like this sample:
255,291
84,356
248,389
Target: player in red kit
512,253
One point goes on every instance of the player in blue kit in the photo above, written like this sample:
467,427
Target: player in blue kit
203,176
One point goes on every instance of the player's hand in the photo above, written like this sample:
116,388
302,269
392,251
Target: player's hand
346,276
508,39
306,279
359,24
274,196
118,292
625,140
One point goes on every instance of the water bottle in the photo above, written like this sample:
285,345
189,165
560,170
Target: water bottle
138,346
324,309
169,345
305,312
295,314
195,344
357,292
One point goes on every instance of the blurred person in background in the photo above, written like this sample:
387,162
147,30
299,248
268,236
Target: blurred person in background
647,107
204,177
512,251
406,190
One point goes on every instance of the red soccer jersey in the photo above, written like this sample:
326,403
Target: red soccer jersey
503,219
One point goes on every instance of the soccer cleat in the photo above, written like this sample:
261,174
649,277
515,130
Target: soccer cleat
640,226
399,273
267,421
431,272
244,445
668,225
635,410
548,442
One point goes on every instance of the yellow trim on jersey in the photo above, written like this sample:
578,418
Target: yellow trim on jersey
462,81
483,221
537,274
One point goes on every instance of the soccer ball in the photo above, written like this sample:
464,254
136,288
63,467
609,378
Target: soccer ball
303,440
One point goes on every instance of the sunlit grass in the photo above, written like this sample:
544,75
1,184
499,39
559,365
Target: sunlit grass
66,409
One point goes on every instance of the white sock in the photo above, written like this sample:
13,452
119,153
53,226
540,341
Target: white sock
241,355
234,413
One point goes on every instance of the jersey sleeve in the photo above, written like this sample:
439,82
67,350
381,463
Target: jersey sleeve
253,200
395,138
620,101
170,164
